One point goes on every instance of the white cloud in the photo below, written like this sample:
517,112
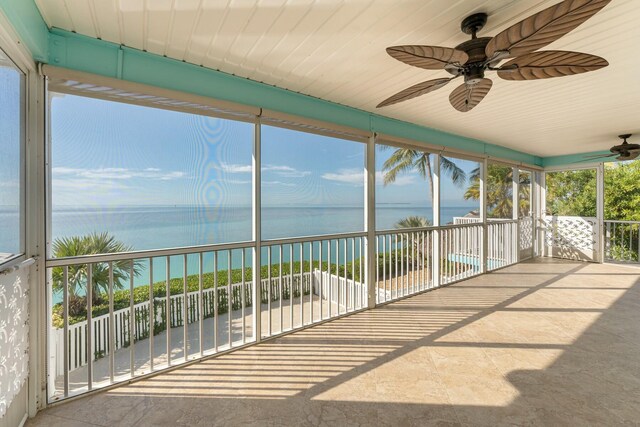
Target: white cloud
280,170
356,177
237,181
286,184
88,184
232,168
116,173
285,171
9,184
348,176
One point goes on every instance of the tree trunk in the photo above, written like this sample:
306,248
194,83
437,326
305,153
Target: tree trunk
429,177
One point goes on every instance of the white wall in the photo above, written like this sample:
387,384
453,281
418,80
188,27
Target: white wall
16,413
14,345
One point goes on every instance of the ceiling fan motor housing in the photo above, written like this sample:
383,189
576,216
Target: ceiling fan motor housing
473,70
473,74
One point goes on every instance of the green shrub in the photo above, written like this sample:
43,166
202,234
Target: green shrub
121,298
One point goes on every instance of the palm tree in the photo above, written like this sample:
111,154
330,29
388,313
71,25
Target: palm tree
413,222
405,159
499,191
94,243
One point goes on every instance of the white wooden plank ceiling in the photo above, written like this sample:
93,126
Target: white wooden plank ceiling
335,50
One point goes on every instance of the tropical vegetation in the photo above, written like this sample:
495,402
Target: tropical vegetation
571,193
77,275
121,297
574,192
413,222
405,160
500,191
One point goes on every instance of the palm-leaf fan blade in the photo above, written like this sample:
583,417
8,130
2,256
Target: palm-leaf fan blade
428,57
550,63
629,156
599,156
414,91
544,27
465,97
603,156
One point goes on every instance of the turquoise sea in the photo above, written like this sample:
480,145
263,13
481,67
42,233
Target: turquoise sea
158,227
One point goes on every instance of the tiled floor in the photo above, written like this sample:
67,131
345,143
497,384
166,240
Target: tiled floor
542,343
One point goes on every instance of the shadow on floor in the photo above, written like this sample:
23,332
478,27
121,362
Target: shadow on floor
542,343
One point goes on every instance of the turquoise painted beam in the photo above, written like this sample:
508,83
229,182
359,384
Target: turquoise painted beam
28,23
77,52
90,55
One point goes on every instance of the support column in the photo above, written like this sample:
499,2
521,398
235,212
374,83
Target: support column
599,214
36,240
435,250
256,234
371,258
484,249
539,212
515,205
533,210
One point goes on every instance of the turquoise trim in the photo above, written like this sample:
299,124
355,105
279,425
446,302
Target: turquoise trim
70,50
575,159
28,23
90,55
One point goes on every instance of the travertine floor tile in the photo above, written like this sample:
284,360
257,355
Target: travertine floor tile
540,343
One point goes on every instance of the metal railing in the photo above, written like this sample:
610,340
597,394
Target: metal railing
129,314
407,258
140,327
125,315
460,252
503,243
622,241
404,265
466,220
334,267
115,321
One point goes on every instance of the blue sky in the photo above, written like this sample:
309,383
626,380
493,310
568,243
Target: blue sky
10,140
112,154
10,170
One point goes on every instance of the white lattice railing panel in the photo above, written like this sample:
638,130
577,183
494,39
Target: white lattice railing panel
14,335
526,233
571,236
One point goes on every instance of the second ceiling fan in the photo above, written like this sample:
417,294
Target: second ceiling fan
520,41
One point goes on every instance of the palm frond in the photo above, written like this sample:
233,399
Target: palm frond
413,221
458,176
423,165
400,161
91,244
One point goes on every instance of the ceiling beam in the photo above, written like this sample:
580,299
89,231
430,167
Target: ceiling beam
82,53
77,52
29,25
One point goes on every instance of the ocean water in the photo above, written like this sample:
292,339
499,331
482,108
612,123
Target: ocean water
159,227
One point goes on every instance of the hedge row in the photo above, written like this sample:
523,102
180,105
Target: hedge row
141,293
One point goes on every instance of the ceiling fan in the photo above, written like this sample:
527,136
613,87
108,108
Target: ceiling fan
474,57
624,151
